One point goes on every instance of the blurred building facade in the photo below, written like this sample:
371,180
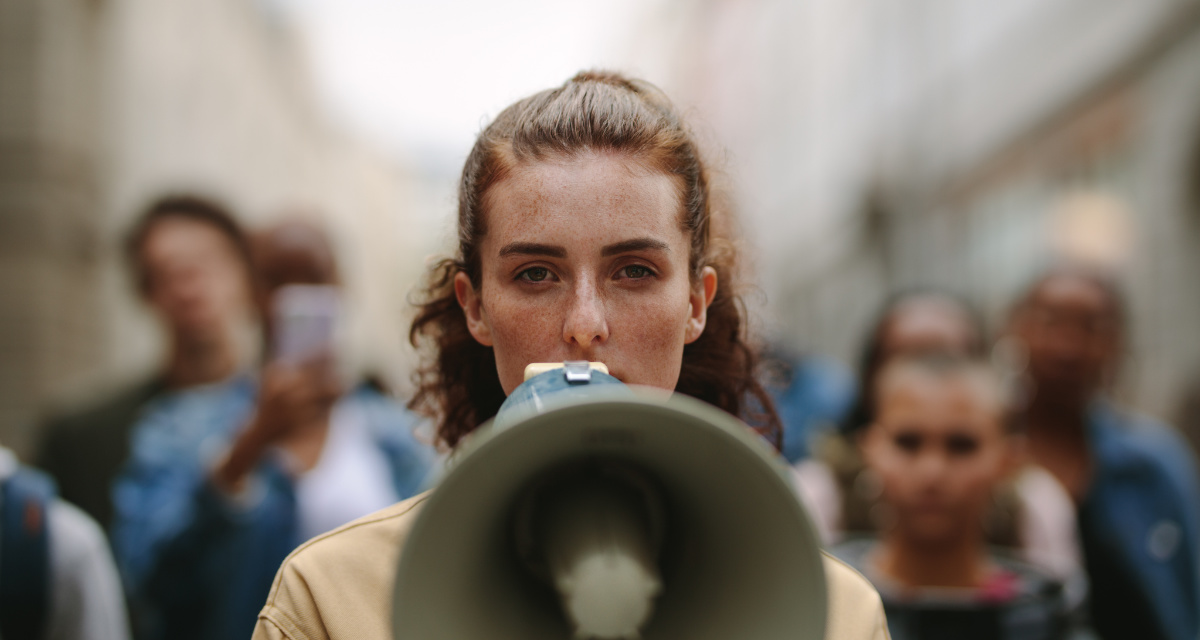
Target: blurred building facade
108,104
876,145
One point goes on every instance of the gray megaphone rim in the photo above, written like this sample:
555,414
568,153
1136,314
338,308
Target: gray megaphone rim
470,464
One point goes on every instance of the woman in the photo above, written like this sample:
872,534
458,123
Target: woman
941,444
585,233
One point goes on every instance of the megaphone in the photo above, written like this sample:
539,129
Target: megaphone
592,509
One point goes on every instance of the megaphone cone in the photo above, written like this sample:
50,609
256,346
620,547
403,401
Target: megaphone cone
619,514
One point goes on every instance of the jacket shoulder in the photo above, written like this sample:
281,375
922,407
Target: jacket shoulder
339,584
1139,442
855,610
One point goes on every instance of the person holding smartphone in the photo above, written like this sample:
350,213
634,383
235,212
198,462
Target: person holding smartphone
588,230
225,481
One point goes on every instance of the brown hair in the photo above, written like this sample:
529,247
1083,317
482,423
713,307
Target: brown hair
595,111
187,207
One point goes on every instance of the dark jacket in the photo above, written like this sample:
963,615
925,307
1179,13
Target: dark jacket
84,449
1140,530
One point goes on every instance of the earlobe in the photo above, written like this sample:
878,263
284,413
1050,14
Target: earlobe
472,308
702,296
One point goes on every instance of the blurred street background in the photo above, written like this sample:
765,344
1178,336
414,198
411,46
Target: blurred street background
869,146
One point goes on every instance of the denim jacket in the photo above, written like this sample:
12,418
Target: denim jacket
816,397
198,563
1140,523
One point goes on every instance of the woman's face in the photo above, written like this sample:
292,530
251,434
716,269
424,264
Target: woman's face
940,448
585,258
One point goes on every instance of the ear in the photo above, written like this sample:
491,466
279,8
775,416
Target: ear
472,306
702,295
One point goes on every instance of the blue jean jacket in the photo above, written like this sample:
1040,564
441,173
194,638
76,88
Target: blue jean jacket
197,563
1140,523
816,398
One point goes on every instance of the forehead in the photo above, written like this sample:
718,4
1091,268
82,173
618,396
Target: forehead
583,196
918,395
175,233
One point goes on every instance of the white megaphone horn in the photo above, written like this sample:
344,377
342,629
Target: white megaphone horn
590,509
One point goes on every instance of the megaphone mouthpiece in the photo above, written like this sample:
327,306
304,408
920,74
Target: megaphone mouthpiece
596,537
608,596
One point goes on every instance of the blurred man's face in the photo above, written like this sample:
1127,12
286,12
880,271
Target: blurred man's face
195,280
1071,332
939,449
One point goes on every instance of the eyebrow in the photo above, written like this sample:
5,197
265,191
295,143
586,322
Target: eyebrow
554,251
533,249
637,244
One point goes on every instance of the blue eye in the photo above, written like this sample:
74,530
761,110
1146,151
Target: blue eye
535,274
637,271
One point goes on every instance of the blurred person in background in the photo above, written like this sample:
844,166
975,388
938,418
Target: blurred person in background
190,260
940,443
1133,480
224,482
1030,512
811,396
914,322
57,576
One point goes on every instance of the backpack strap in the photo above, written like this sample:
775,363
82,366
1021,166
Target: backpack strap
25,555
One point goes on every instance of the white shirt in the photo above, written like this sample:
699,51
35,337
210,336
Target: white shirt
351,479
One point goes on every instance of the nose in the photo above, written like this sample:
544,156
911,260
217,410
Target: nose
585,325
931,467
184,284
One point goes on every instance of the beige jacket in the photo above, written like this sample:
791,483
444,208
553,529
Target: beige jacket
338,586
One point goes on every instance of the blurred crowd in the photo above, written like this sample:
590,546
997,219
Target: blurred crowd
208,473
984,481
989,486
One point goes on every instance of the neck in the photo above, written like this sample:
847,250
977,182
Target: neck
199,361
961,562
1046,419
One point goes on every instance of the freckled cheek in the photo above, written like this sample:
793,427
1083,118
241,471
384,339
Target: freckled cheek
522,328
650,337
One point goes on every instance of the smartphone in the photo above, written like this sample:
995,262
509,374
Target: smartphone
305,319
